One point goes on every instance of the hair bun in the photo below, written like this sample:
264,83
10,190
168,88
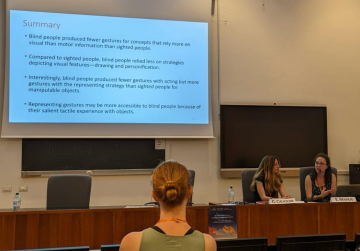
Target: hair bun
171,191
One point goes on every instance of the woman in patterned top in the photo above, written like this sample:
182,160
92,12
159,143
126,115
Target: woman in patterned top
320,185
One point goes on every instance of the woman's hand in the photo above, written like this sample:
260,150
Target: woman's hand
325,193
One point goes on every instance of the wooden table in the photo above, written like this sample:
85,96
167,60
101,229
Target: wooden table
39,228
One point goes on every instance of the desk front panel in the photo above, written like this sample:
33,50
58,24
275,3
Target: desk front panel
94,227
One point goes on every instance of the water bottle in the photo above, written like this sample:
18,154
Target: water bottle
16,202
231,194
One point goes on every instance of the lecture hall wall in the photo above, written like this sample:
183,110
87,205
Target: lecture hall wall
303,52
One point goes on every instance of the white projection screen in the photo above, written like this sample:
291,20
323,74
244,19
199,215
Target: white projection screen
107,69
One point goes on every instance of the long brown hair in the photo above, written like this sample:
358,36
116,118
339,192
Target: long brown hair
170,181
272,180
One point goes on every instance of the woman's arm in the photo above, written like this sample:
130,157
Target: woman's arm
210,244
308,188
283,193
261,191
333,185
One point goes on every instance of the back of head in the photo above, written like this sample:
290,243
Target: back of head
170,182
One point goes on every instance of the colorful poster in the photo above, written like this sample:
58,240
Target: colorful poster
222,222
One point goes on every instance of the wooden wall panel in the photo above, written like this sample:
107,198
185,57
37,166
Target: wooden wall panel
94,227
1,231
20,231
87,228
338,218
279,220
301,220
48,233
104,229
66,230
243,221
75,229
32,228
8,237
197,217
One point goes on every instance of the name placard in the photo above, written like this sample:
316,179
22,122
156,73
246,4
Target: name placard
342,199
282,201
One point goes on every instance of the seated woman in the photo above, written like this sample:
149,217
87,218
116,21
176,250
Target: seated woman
267,181
320,184
171,189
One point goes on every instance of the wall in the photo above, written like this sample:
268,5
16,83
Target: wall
303,52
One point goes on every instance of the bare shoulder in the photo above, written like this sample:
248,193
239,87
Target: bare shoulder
131,241
210,243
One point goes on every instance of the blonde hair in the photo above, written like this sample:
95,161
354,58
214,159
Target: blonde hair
272,180
170,181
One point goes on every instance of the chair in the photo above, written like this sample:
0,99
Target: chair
110,247
348,191
357,240
303,172
319,242
246,179
68,192
79,248
192,182
243,244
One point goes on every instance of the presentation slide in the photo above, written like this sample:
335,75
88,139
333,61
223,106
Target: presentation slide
70,68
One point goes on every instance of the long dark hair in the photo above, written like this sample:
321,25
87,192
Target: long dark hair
272,180
328,172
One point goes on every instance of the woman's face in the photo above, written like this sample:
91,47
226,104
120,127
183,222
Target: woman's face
276,167
320,165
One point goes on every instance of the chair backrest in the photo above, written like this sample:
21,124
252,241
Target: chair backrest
303,172
319,242
243,244
192,182
68,191
348,191
246,179
110,247
78,248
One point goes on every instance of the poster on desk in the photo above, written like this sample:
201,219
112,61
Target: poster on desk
222,222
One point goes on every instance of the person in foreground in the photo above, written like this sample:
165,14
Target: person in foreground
320,184
171,189
267,181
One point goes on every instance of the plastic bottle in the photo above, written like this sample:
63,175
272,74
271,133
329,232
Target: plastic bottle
231,195
16,202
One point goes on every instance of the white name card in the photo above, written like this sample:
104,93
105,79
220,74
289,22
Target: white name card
342,199
282,201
